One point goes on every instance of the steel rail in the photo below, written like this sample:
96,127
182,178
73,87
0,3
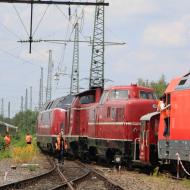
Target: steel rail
22,183
111,184
70,183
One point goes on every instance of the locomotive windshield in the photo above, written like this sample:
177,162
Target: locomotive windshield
104,97
119,94
183,84
147,95
63,102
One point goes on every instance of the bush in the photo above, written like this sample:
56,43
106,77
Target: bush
2,143
24,154
5,154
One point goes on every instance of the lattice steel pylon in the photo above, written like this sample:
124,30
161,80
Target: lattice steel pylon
40,103
26,100
22,104
97,60
74,88
2,107
31,98
9,110
49,77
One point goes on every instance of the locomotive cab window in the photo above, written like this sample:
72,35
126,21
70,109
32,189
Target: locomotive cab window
184,84
168,99
104,97
143,124
87,99
119,95
147,95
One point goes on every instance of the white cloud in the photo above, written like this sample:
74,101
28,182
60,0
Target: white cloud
142,56
166,34
36,56
135,7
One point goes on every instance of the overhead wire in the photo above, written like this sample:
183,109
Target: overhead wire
20,19
17,57
40,20
13,33
66,37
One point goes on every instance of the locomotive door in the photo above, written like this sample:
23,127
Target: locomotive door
149,137
144,141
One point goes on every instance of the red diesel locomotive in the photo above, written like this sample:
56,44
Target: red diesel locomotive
98,123
51,120
155,128
166,137
174,136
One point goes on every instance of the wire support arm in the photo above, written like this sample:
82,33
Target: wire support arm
56,2
72,41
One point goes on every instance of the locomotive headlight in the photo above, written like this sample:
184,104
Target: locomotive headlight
117,158
154,106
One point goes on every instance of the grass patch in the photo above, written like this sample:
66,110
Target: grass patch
19,151
24,154
32,167
186,183
5,154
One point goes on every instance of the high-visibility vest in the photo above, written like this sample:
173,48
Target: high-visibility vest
58,143
28,138
7,140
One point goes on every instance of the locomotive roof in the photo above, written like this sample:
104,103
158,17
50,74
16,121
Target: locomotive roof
172,85
87,91
66,101
127,87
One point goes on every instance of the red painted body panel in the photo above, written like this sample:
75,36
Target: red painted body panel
179,111
50,121
79,112
120,119
179,117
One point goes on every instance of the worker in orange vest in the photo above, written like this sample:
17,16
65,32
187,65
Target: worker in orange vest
28,138
61,146
7,140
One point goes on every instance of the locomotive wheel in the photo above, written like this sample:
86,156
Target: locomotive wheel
129,165
84,157
92,154
110,156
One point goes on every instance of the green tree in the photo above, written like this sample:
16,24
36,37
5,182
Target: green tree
159,86
26,121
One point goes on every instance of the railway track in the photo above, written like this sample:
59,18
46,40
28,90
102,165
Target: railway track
72,175
30,183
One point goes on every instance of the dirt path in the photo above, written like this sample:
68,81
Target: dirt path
8,175
133,180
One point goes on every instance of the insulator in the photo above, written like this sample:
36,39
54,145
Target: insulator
69,12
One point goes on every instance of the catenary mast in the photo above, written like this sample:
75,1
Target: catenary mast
49,77
97,60
74,88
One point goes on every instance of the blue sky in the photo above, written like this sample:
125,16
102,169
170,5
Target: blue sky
157,36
